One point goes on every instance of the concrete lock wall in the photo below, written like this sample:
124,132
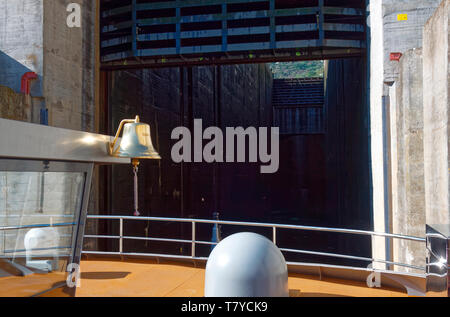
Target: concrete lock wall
34,37
396,27
21,42
436,115
415,131
403,22
21,51
407,160
69,66
15,106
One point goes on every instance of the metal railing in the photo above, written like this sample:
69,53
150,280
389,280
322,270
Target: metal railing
44,225
275,228
5,229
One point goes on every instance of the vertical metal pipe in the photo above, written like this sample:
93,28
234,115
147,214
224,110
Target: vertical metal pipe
41,200
388,227
121,236
274,234
218,120
108,178
214,174
190,125
182,115
136,212
193,240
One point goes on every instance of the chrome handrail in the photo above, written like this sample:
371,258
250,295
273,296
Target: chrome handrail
274,227
45,225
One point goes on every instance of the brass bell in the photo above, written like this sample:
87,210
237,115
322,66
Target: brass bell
136,144
136,141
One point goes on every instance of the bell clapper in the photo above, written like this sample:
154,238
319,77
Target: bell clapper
135,163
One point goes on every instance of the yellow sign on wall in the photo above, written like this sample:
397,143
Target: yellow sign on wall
402,17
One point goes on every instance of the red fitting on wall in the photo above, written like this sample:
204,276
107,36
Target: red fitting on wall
25,82
395,56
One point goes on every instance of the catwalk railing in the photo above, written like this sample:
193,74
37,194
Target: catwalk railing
275,229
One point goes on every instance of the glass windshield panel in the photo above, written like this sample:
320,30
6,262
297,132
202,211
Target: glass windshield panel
38,219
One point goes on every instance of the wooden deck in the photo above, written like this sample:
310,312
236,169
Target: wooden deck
27,286
143,278
113,277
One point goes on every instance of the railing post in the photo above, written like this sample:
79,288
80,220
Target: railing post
274,235
193,239
121,236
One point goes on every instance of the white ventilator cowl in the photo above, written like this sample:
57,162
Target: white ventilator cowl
42,243
246,265
41,238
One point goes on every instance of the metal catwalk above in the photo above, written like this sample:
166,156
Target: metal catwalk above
170,33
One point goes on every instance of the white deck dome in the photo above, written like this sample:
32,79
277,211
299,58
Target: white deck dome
246,265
